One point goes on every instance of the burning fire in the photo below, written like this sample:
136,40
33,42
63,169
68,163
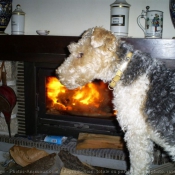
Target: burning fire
93,99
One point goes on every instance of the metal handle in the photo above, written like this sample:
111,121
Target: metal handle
138,21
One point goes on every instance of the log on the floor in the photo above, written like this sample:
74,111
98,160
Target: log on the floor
71,162
96,141
24,156
47,165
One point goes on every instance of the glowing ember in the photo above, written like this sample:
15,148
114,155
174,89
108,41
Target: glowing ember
94,99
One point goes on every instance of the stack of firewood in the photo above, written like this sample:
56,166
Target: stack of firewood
34,161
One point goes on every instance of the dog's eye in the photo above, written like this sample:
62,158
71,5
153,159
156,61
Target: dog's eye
80,55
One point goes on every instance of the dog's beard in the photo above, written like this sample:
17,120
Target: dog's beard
71,80
70,84
70,87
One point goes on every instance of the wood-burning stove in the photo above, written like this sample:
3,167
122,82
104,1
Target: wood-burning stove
59,122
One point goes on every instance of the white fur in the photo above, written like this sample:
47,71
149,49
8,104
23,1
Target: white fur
128,101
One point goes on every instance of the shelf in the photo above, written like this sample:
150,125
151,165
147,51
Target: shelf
35,48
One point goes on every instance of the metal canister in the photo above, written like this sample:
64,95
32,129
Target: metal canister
18,21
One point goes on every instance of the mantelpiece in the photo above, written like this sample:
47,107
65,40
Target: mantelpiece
34,48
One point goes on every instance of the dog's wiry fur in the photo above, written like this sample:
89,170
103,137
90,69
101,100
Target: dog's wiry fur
144,97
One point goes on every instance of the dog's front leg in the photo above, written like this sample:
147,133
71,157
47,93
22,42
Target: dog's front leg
140,151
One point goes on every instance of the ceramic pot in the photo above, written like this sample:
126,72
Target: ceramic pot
18,21
120,18
5,14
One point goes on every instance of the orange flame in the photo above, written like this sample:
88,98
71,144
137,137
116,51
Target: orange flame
90,99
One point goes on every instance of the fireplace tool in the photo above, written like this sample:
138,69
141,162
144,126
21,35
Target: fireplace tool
7,97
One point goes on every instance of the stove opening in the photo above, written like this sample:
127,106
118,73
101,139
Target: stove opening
91,100
54,110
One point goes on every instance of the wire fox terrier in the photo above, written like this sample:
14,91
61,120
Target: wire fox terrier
143,91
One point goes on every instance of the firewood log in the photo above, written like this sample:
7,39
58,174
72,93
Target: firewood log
47,165
72,162
96,141
24,156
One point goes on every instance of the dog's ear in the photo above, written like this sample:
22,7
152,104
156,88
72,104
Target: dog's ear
88,33
103,38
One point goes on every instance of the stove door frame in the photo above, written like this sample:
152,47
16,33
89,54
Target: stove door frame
69,125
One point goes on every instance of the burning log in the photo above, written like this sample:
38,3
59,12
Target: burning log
92,100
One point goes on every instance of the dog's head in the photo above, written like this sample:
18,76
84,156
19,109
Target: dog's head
89,59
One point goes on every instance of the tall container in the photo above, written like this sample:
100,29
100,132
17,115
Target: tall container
120,18
18,21
5,14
